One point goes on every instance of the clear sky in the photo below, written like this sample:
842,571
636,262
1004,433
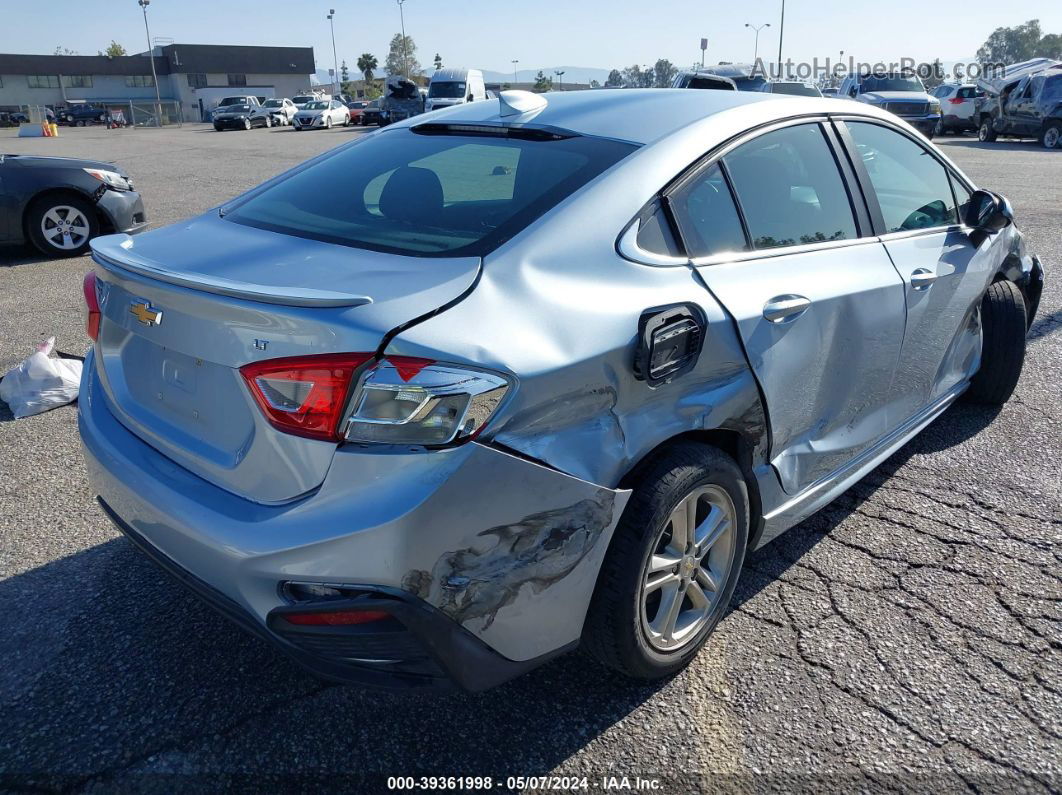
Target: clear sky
488,34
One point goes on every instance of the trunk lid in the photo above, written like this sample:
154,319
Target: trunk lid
185,306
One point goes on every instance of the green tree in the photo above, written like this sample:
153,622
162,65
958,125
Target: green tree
402,57
114,50
614,79
1020,43
1050,46
595,84
632,77
542,83
367,65
438,62
61,50
663,73
344,73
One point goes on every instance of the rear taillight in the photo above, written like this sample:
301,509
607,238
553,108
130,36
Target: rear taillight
304,395
956,101
404,400
399,400
92,306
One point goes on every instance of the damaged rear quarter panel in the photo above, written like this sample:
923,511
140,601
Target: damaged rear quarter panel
560,313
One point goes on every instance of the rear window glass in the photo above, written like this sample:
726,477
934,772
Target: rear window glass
795,89
428,195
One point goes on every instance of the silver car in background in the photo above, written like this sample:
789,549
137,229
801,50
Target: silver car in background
538,372
321,114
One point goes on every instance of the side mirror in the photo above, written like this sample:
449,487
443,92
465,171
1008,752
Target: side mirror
852,91
988,212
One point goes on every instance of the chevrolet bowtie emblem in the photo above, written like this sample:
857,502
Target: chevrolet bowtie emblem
143,312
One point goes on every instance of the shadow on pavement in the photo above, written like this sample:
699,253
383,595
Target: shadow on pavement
959,423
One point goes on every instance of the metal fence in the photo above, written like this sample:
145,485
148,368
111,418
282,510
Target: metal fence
131,113
142,114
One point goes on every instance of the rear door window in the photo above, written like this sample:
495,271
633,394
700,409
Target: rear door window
790,189
912,186
706,215
429,194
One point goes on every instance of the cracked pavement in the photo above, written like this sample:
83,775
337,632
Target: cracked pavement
905,638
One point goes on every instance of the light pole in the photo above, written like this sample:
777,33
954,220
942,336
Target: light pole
516,72
560,78
335,60
151,56
781,32
405,53
757,28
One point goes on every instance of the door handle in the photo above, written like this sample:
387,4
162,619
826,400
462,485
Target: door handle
785,308
922,278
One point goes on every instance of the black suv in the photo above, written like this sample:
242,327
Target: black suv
81,115
1029,107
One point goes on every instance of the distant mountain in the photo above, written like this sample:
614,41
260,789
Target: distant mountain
572,74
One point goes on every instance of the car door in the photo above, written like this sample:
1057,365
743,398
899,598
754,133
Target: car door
913,195
7,204
816,300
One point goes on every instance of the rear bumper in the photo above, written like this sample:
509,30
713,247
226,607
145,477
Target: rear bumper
420,649
486,562
125,209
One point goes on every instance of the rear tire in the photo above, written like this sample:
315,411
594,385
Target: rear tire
985,133
1003,330
621,623
1051,135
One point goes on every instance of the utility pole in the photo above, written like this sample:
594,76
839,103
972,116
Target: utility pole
516,72
560,79
335,60
781,33
757,28
405,51
151,55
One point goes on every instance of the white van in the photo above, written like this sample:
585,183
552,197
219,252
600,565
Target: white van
454,87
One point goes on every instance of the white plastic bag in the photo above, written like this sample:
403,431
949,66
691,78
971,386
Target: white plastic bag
41,382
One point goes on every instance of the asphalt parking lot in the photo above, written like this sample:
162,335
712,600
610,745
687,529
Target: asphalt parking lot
905,638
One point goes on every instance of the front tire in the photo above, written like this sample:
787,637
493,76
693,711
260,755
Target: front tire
985,133
246,124
61,226
1003,330
328,123
673,563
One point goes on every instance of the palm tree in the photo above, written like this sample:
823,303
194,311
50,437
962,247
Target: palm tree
367,63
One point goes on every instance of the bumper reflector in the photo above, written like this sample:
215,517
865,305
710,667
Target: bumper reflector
336,618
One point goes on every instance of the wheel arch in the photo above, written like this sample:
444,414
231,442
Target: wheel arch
740,445
104,220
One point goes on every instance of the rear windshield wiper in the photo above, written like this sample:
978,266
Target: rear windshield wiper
493,129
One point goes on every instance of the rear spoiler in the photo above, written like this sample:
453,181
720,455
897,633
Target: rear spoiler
112,253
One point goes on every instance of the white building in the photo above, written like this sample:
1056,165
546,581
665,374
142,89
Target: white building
189,76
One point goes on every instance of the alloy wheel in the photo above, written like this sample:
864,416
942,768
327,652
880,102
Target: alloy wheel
688,568
65,227
1051,137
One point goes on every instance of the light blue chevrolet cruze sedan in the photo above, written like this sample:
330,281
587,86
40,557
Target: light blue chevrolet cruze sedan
538,372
